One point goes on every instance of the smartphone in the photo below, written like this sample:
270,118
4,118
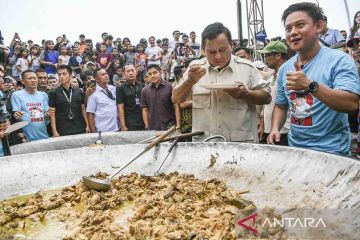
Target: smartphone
91,83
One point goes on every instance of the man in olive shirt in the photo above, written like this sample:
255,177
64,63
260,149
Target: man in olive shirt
229,112
68,104
128,101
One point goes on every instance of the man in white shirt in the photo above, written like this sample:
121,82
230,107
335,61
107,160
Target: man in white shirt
101,105
153,52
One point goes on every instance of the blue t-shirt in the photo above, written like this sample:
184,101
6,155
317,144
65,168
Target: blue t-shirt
51,56
34,107
313,124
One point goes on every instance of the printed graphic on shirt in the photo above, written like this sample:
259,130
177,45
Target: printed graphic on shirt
103,60
36,112
301,109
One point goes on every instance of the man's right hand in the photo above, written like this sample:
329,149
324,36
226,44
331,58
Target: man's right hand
90,91
274,137
195,73
124,129
18,115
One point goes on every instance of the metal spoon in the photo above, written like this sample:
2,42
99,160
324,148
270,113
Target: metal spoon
104,184
99,141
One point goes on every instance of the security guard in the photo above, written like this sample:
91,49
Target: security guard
228,112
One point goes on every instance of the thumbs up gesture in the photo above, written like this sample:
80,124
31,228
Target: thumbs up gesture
297,81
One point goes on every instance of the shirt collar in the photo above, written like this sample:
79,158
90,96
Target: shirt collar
162,82
129,84
98,88
62,87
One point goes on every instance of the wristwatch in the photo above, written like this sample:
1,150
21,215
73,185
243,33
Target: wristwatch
313,87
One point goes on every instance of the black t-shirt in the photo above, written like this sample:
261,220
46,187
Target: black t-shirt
130,95
64,125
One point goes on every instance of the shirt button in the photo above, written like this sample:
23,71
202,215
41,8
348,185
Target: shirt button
219,99
219,112
219,126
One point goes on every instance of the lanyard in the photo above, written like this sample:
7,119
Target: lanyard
67,99
108,93
134,90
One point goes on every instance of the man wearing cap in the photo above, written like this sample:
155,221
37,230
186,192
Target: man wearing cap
229,112
329,37
320,86
275,55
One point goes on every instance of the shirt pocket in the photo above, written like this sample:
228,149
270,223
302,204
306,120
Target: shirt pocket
235,103
201,98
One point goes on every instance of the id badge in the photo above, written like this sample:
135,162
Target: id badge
137,101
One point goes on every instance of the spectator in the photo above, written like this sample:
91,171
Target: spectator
230,112
130,55
275,55
75,61
172,43
140,62
13,60
355,29
68,103
101,105
328,36
103,37
153,52
52,83
195,45
125,44
82,43
104,59
116,55
42,80
49,58
159,43
22,63
158,111
243,52
319,97
34,57
63,58
118,78
128,97
344,33
32,106
109,43
166,61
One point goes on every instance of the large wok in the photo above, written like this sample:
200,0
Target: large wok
285,178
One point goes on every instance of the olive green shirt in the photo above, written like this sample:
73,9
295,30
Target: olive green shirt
216,112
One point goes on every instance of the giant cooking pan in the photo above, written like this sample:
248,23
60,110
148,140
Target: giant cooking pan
284,178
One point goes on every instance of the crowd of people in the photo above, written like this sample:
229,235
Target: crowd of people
296,91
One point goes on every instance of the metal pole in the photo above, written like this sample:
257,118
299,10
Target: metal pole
239,16
347,13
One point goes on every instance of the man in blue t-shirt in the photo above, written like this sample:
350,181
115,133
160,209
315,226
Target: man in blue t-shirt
319,85
32,106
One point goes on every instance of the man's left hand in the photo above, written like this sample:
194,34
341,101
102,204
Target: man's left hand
239,92
297,81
